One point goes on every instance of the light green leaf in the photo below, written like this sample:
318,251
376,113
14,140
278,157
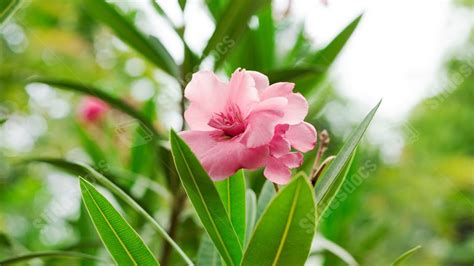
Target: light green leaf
266,195
48,255
279,238
123,243
232,193
405,256
207,253
85,170
231,25
7,8
324,188
251,214
325,202
104,96
206,201
150,47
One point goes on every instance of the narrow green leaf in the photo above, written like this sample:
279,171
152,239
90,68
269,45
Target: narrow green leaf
123,243
231,25
328,54
232,193
142,157
150,47
206,201
405,256
313,71
325,202
266,195
48,255
7,8
330,177
251,214
279,237
2,120
92,91
321,243
85,170
207,253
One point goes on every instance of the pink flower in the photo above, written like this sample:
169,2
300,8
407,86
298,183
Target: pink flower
246,123
92,109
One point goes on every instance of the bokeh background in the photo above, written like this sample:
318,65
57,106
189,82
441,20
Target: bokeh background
416,163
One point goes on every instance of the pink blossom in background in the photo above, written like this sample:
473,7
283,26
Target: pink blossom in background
247,123
92,109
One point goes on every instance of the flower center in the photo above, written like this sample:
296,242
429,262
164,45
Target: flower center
230,121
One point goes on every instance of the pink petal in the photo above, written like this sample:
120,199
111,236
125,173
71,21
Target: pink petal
261,81
208,95
279,146
296,109
302,136
292,160
260,129
279,89
222,157
277,172
242,91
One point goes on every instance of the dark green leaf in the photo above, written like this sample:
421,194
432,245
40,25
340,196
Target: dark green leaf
122,242
232,193
149,47
206,201
91,147
47,255
7,8
324,187
405,256
279,237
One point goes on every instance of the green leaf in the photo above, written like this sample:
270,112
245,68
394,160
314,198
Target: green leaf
104,96
231,25
232,193
251,214
405,256
49,254
150,47
324,188
3,120
328,54
325,202
122,242
206,201
279,238
7,8
85,170
266,195
142,157
207,253
308,75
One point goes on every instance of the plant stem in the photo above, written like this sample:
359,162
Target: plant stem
178,204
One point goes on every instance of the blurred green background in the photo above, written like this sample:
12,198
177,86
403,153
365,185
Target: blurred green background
424,196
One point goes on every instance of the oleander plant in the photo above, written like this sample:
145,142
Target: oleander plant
226,162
